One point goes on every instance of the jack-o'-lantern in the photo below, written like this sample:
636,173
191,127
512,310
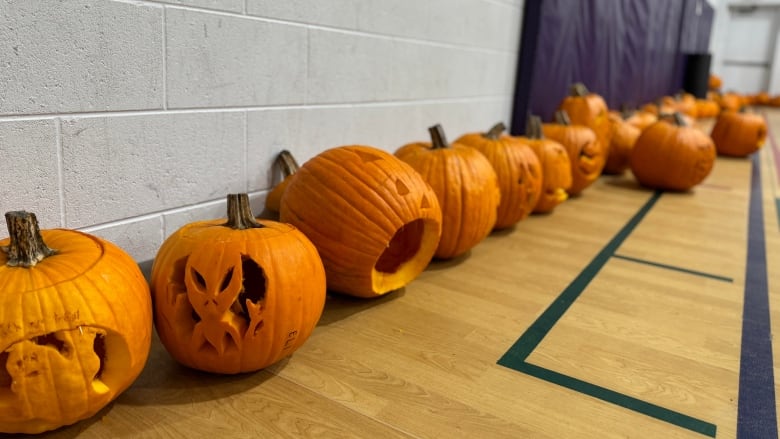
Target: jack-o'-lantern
75,325
556,166
374,220
585,152
518,169
237,295
589,109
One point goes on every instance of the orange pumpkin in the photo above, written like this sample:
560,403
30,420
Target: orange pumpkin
739,134
640,119
731,102
585,152
556,166
707,108
673,156
624,137
465,184
518,170
589,109
237,295
375,222
75,325
715,83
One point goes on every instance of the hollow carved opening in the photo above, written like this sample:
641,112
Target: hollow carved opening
402,247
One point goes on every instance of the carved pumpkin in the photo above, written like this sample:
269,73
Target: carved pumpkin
585,152
589,109
75,325
556,166
624,137
373,219
237,295
518,169
739,134
673,156
465,184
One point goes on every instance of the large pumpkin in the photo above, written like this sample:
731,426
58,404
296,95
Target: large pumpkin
75,325
556,166
518,169
465,184
375,222
589,109
672,155
624,137
237,295
739,134
585,152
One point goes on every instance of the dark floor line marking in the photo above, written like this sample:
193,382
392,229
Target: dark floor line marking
675,268
756,410
620,399
515,358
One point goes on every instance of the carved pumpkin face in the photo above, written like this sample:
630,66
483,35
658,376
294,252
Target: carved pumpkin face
465,184
672,156
585,152
556,166
375,222
233,298
517,168
589,109
739,134
624,137
75,327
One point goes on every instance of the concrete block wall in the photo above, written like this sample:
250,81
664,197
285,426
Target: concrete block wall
128,119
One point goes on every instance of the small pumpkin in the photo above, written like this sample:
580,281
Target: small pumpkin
730,102
589,109
739,134
465,184
518,170
585,152
624,136
556,166
714,82
672,155
706,108
75,325
236,295
639,118
375,222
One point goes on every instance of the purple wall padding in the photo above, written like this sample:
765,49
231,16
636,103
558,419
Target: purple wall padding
629,51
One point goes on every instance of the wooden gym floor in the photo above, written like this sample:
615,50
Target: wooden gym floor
618,315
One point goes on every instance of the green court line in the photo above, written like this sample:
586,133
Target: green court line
515,358
672,267
620,399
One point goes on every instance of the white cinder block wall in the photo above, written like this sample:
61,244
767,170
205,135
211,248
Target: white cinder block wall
127,119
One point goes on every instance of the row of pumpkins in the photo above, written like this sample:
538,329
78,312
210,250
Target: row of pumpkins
237,295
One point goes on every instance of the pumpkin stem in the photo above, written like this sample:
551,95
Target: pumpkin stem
578,89
679,120
533,127
286,162
562,117
240,213
27,247
494,133
438,139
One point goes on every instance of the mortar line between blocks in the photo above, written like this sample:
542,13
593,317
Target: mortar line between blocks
60,169
227,109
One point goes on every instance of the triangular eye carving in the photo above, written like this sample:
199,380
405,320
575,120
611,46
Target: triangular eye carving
425,204
226,280
401,188
367,157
